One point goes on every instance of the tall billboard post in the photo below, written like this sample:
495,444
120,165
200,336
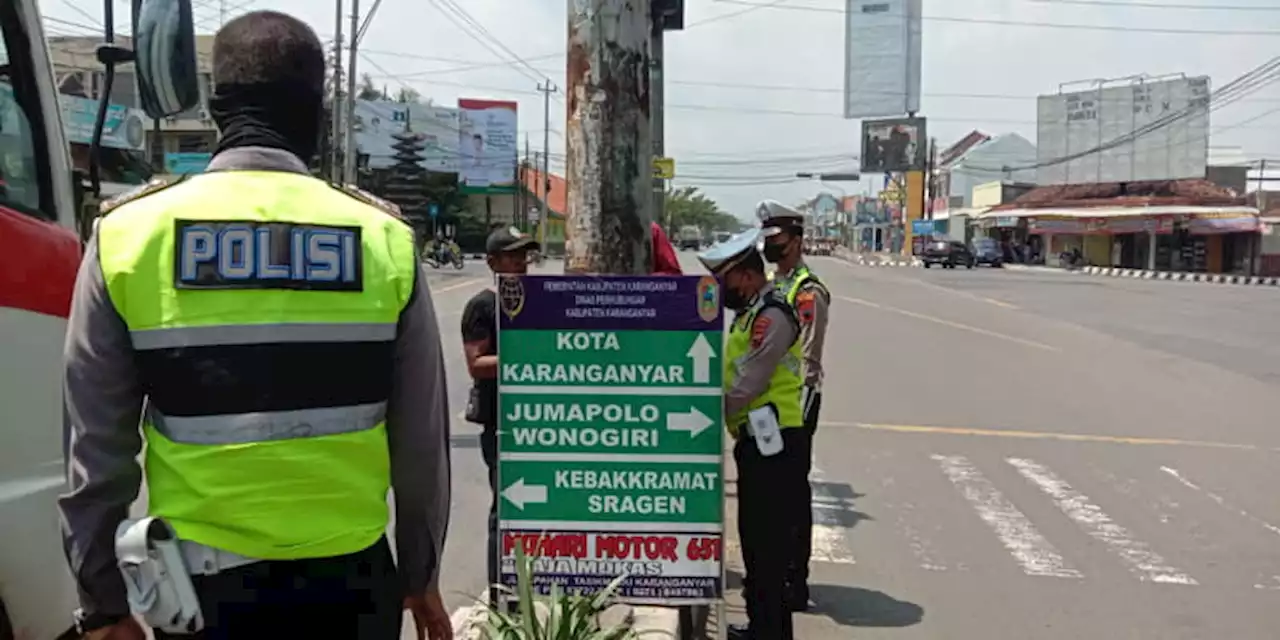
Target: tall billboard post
882,77
610,438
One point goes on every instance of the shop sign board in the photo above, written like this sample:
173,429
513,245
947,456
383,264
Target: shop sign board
610,439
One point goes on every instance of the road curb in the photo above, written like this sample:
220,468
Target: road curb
1145,274
879,261
1178,276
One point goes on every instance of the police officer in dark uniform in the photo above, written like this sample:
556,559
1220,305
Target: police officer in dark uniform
783,228
764,381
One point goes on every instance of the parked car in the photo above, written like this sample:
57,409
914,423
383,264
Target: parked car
947,253
987,251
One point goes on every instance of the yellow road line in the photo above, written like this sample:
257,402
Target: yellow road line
954,325
457,285
1000,303
1044,435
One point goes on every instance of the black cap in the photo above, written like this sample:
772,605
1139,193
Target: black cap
506,239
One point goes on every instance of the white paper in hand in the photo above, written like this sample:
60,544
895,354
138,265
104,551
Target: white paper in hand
765,429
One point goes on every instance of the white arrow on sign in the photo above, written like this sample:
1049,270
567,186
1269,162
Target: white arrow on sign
521,494
701,354
695,422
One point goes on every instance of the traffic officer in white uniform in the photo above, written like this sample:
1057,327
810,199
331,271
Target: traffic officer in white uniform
783,228
763,383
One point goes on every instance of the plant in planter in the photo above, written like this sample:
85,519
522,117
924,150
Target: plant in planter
557,616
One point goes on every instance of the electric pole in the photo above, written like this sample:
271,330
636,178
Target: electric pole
545,179
657,102
609,142
349,142
335,104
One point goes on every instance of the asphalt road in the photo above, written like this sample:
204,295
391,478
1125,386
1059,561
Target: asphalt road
1013,455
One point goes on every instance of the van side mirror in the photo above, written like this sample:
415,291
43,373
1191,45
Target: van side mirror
165,57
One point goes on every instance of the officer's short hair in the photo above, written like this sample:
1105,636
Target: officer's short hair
267,47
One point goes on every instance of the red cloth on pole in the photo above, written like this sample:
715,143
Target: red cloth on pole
665,262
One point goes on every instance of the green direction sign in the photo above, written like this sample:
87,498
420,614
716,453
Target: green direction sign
583,491
573,423
612,358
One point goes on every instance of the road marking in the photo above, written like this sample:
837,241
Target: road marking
954,325
457,285
1141,559
999,303
828,540
1044,435
1222,502
1033,552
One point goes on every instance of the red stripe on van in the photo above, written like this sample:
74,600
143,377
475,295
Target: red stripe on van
38,264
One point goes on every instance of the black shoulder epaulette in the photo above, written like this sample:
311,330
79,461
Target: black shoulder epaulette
154,186
389,208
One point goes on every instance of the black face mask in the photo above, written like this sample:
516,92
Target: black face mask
734,300
775,252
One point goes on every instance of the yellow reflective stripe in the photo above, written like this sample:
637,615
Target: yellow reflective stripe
245,428
219,335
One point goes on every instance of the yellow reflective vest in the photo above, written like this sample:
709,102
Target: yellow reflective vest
787,381
263,307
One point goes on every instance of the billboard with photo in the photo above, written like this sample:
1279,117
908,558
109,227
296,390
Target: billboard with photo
882,58
1068,124
894,145
379,121
487,142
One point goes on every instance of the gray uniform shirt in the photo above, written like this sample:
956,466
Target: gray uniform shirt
813,324
102,440
756,368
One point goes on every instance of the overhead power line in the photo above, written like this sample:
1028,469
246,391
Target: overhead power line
1128,29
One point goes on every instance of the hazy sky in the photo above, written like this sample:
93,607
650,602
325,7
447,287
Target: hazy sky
754,93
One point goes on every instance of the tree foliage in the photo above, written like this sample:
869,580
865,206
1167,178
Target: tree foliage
367,90
407,95
688,206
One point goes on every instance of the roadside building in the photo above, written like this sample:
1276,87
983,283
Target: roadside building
178,144
1187,225
556,193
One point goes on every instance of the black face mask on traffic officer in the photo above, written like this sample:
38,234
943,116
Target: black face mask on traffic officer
279,115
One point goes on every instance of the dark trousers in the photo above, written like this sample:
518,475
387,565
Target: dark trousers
354,596
802,534
767,486
489,451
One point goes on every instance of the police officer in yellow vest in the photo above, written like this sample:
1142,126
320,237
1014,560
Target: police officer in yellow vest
285,342
783,228
763,381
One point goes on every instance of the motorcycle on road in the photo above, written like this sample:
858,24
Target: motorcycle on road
444,253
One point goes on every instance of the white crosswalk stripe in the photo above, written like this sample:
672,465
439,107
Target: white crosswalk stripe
1032,511
1032,551
1077,506
829,541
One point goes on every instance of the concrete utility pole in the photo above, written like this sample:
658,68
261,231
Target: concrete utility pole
545,178
349,144
609,140
335,104
657,103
